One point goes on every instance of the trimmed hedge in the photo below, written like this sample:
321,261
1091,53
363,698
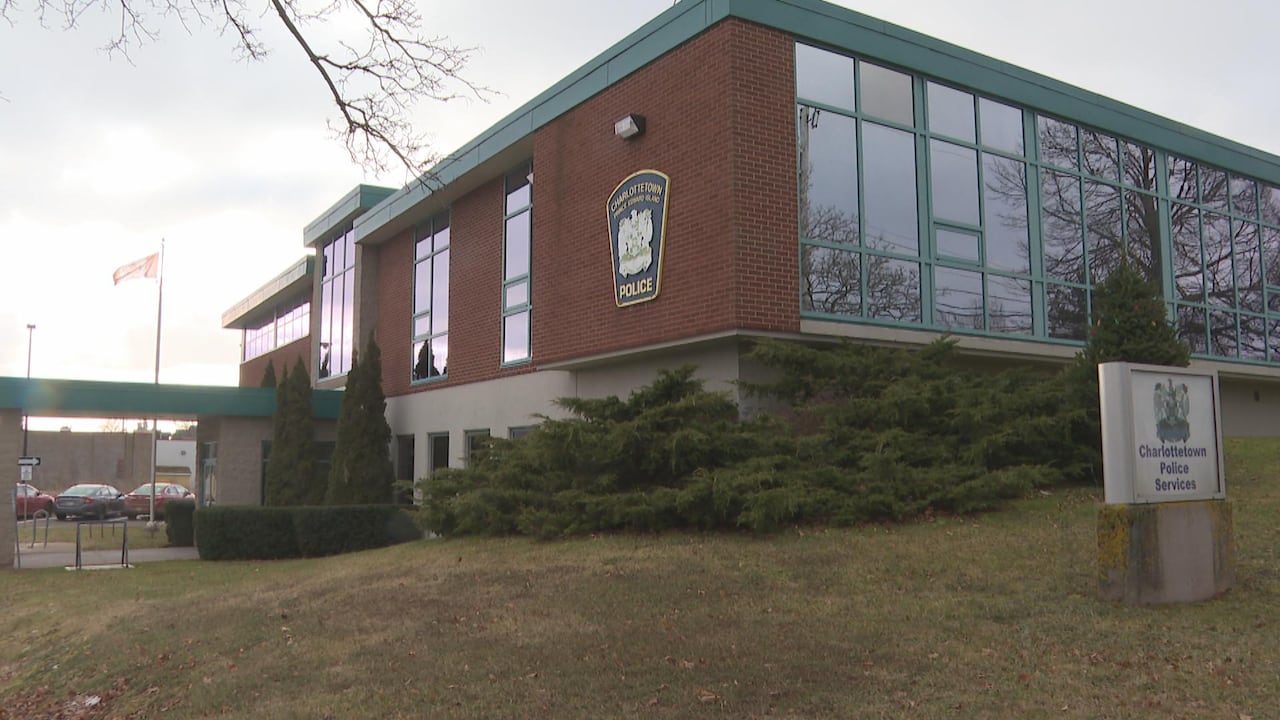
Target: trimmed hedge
179,523
229,532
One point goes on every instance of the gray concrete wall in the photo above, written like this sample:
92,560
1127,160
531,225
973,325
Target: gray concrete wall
122,459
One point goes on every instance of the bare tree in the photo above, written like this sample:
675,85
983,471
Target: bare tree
374,80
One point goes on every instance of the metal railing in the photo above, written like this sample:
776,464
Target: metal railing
124,543
35,520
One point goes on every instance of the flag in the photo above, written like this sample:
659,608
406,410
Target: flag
147,267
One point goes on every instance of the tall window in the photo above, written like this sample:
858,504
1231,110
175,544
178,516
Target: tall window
431,300
517,248
337,305
929,205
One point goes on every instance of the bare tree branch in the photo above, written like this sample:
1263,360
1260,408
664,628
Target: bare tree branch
375,83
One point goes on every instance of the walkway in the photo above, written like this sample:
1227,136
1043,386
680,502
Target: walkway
64,555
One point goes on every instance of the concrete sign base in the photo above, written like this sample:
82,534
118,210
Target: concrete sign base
1172,552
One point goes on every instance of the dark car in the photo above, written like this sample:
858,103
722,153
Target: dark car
138,502
89,500
29,499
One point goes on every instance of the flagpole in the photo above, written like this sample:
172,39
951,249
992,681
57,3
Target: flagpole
151,522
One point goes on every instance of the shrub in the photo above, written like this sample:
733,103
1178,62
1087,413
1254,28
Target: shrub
179,524
265,533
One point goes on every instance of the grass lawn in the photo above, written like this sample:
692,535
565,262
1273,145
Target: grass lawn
986,617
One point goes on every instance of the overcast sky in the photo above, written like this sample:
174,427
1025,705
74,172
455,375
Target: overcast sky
227,160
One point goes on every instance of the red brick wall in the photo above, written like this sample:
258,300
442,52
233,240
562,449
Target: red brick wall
282,357
718,114
720,120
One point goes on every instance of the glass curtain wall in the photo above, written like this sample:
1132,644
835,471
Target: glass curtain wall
430,358
927,205
337,306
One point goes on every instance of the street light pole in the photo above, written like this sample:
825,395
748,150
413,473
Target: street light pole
26,420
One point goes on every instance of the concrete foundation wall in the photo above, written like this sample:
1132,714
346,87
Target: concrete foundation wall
1165,552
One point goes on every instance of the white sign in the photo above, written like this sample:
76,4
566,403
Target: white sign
1161,434
26,473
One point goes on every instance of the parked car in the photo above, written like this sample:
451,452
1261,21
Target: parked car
138,502
29,499
89,500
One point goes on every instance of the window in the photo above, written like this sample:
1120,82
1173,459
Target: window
475,441
285,327
929,205
516,261
337,305
431,300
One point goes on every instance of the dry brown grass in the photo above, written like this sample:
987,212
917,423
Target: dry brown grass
991,617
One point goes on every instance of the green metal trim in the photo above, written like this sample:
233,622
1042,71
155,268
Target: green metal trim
91,398
825,24
294,283
355,202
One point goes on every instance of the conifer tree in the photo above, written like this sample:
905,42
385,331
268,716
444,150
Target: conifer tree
1129,324
362,471
290,466
269,375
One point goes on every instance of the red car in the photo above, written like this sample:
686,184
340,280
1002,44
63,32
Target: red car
29,499
138,502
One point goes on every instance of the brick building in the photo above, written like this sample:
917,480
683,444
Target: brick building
814,174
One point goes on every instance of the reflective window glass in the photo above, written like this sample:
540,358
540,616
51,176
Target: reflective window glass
1009,305
1188,272
1102,226
1100,154
1269,204
889,164
440,292
1001,126
1182,179
953,244
515,295
893,289
422,325
1142,232
1218,271
1244,196
957,298
953,178
1253,338
515,337
1222,334
828,155
1005,213
441,237
1139,166
830,281
1213,188
1248,264
951,112
886,94
519,189
1273,343
1062,227
1058,143
1271,256
422,287
1193,328
824,77
517,255
440,353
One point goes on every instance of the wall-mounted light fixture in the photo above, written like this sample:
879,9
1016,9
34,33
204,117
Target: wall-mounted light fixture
629,126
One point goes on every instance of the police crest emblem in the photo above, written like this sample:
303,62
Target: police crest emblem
637,211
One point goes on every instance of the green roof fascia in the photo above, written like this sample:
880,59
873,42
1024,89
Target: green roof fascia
92,398
359,199
261,303
860,34
493,148
836,27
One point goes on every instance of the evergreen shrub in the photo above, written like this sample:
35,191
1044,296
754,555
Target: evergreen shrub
869,434
267,533
179,523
